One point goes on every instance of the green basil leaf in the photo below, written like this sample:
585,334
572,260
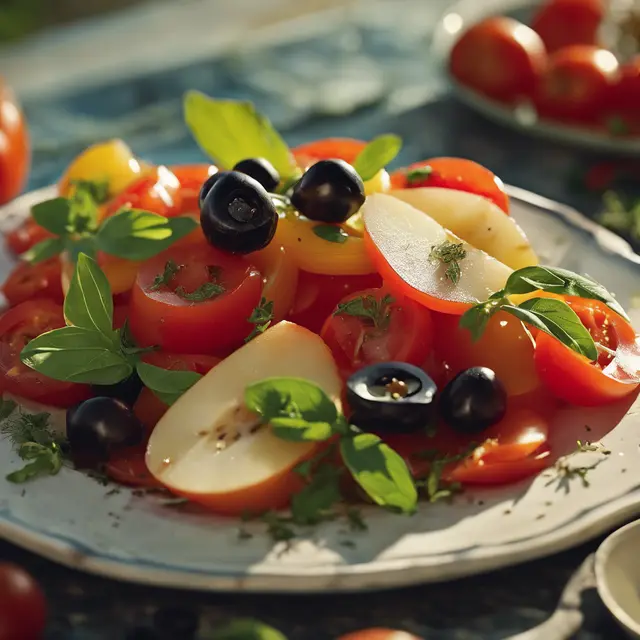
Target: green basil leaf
53,215
85,244
561,281
44,460
377,155
139,235
229,131
331,233
166,384
77,354
315,499
380,471
559,320
43,250
88,303
297,409
477,317
246,629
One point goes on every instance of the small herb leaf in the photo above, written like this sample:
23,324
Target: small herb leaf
77,354
313,503
369,309
53,215
261,317
418,175
168,385
561,281
477,317
42,460
559,320
331,233
163,279
43,250
297,409
247,629
230,131
139,235
380,471
377,155
205,291
450,254
88,304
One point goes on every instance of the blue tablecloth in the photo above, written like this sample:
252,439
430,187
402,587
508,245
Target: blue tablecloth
359,79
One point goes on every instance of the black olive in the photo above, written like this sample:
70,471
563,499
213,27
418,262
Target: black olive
97,425
473,401
127,390
260,169
330,191
391,397
206,187
238,215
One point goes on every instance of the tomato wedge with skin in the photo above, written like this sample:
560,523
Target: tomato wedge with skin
572,378
27,281
18,326
402,331
400,238
459,174
127,466
165,316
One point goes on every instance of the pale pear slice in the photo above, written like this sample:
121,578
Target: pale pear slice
476,220
400,238
209,448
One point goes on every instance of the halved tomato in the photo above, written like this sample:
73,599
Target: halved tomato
386,329
127,466
23,237
453,173
572,378
42,280
18,326
202,308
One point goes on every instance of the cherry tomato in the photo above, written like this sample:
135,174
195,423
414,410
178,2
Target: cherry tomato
19,325
402,331
15,154
318,295
625,102
346,149
379,634
562,23
500,58
505,346
42,280
191,177
577,84
22,238
455,173
572,378
216,325
148,407
23,606
158,192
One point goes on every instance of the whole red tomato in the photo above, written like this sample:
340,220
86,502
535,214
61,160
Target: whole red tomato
561,23
500,58
23,607
15,153
624,113
577,84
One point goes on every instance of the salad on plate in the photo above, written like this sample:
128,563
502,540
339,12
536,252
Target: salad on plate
292,334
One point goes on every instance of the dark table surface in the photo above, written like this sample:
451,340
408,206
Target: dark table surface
389,82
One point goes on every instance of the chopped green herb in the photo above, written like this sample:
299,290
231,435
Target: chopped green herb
205,291
97,189
331,233
450,254
261,317
163,279
375,312
620,215
418,175
278,527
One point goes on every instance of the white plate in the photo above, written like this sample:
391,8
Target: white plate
71,519
458,18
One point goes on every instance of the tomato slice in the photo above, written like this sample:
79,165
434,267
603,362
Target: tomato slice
216,325
19,325
572,378
42,280
317,296
22,238
459,174
346,149
191,178
404,333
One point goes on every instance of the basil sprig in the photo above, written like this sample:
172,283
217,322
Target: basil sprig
130,233
299,411
550,315
88,350
377,155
